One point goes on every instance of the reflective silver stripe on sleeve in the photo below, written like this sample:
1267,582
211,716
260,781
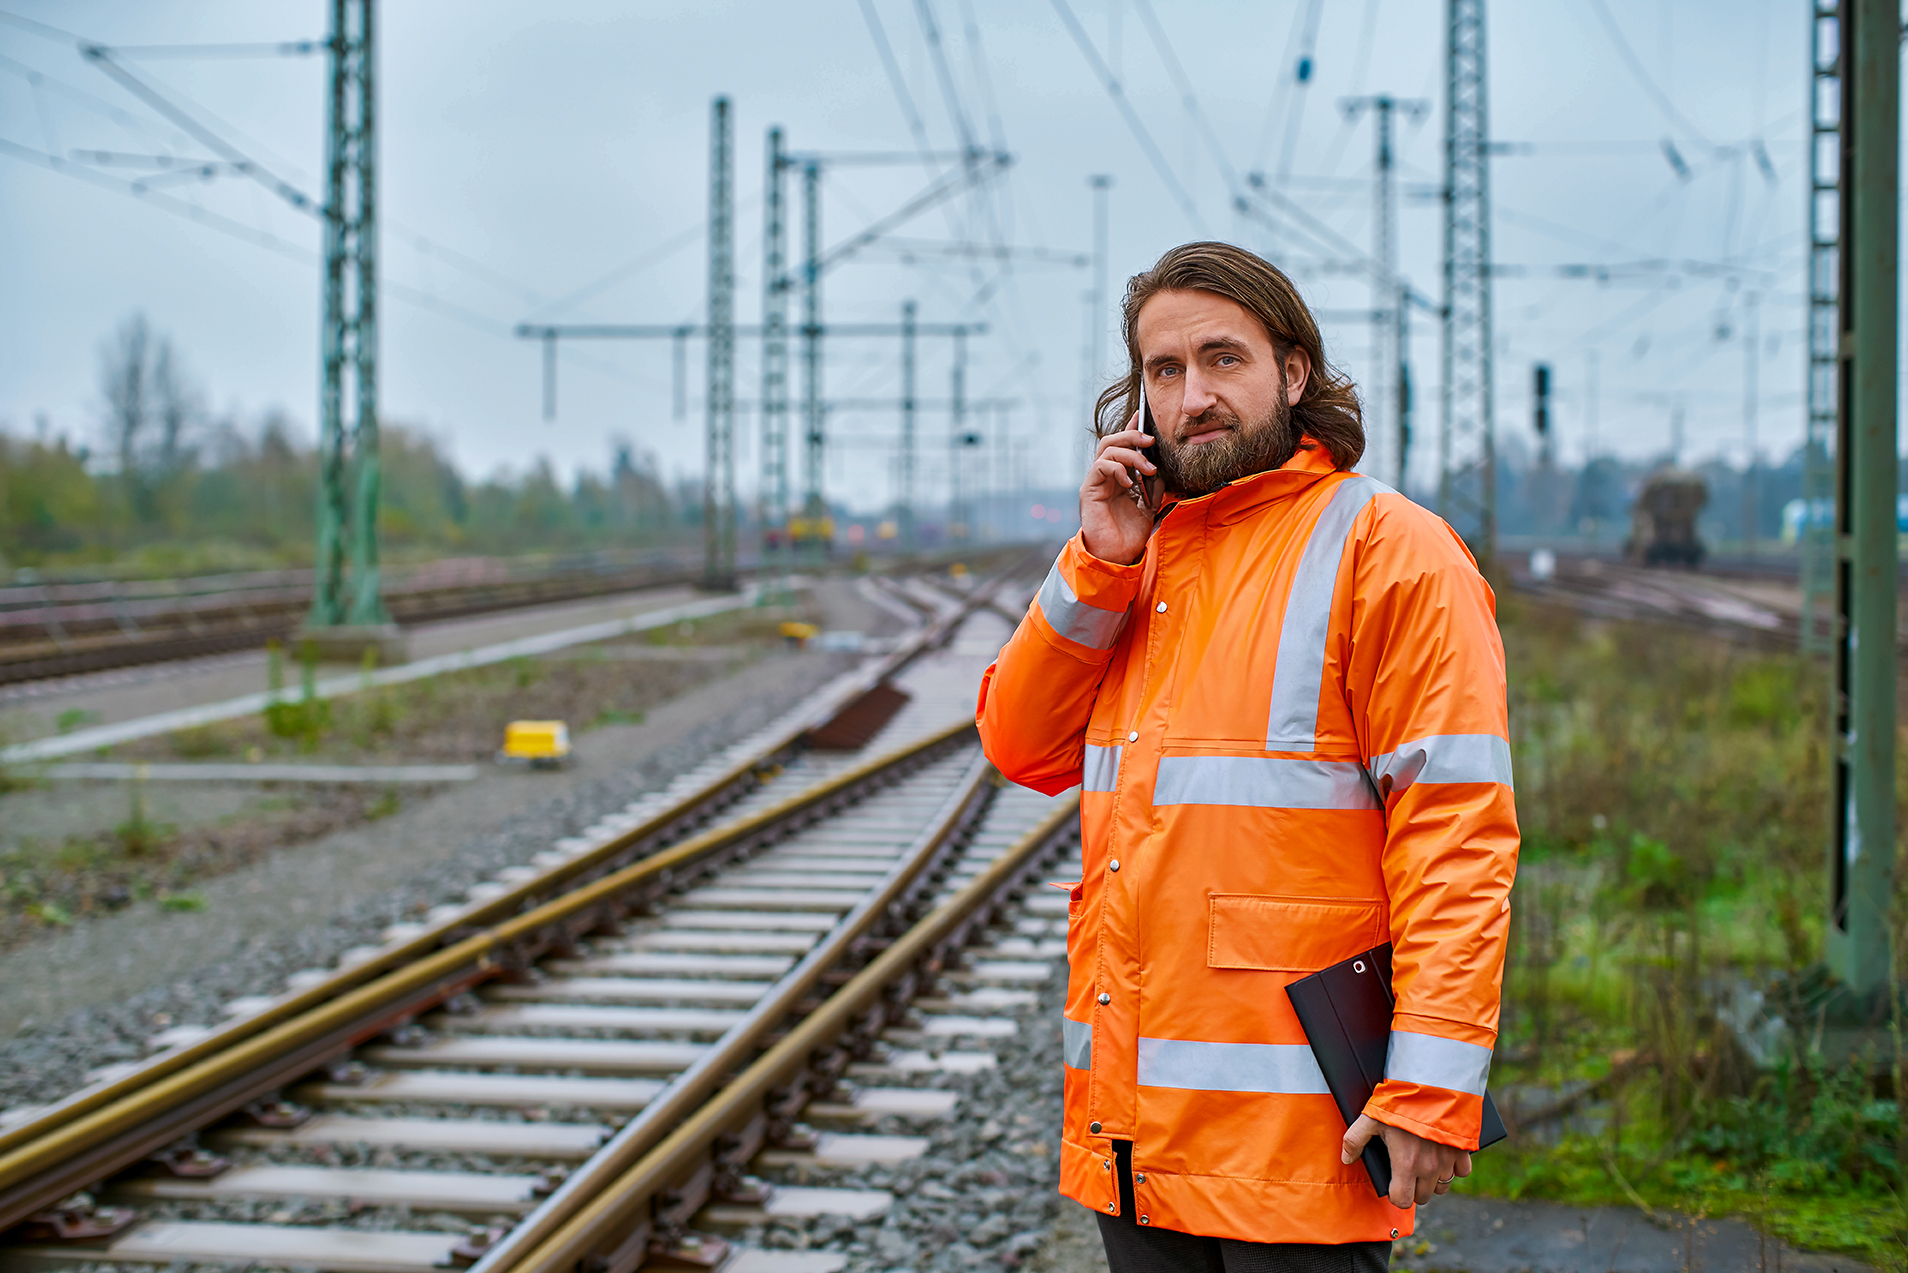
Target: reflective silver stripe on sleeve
1263,782
1101,770
1288,1068
1444,758
1073,618
1299,675
1076,1043
1438,1062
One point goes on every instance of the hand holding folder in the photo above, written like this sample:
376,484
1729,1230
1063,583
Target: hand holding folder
1346,1011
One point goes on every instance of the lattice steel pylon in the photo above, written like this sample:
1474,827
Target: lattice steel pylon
1467,453
905,507
815,527
774,493
718,486
349,476
1821,347
1384,411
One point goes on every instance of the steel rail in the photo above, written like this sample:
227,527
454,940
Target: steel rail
612,1228
697,1083
115,1135
227,627
650,834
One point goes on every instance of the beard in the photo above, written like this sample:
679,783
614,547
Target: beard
1259,447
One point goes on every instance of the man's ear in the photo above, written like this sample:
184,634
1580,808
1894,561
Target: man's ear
1298,369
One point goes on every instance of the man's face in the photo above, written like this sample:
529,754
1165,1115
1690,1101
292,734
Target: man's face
1220,393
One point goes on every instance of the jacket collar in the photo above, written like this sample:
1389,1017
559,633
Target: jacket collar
1236,500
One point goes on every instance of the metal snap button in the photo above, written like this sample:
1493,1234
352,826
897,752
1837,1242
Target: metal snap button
1144,1220
1106,1164
1162,607
1105,997
1094,1128
1114,865
1394,1233
1133,737
1140,1179
1110,1208
1358,965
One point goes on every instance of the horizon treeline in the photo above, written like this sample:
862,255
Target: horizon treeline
173,487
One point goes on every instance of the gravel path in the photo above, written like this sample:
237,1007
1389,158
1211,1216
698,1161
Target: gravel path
94,994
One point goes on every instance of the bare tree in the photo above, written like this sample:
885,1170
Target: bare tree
177,404
151,409
125,382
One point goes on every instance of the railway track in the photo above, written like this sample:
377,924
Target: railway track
48,631
605,1056
1763,611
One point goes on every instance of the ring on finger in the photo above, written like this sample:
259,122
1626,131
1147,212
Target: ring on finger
1448,1179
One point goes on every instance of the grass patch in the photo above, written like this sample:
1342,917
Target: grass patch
1671,789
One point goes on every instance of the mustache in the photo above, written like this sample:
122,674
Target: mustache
1206,422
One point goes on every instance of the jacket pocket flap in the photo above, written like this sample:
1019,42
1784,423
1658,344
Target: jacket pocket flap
1289,934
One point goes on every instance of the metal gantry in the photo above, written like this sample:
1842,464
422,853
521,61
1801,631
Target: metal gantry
1387,418
773,497
718,483
1821,347
1867,467
814,525
1093,349
349,476
1467,458
904,512
958,515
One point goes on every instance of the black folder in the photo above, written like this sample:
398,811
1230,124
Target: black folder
1346,1011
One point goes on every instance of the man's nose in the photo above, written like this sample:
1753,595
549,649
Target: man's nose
1197,395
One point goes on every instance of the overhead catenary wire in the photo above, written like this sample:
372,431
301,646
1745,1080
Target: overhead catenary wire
1115,90
1642,76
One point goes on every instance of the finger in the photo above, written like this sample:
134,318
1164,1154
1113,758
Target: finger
1442,1187
1104,471
1427,1186
1463,1166
1362,1129
1132,459
1128,437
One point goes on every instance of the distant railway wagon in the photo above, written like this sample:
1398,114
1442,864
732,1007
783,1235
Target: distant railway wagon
1663,519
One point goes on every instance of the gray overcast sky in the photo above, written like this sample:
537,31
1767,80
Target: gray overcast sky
530,151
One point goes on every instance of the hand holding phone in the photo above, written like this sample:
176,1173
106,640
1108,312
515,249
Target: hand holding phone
1122,491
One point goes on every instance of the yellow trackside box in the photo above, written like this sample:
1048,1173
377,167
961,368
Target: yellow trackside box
799,633
540,742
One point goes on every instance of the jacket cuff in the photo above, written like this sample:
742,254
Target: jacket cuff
1085,601
1108,583
1435,1113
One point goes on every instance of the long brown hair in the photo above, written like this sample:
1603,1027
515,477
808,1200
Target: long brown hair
1328,408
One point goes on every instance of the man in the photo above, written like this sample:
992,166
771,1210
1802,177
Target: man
1280,687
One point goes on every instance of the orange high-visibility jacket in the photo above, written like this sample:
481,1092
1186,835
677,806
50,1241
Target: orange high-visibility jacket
1288,723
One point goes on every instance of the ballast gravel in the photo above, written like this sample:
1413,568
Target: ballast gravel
94,995
985,1195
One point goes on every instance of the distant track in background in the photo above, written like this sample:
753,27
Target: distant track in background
53,630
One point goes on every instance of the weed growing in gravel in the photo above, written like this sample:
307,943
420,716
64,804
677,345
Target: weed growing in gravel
1671,790
139,835
74,718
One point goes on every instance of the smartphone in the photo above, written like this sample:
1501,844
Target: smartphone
1143,492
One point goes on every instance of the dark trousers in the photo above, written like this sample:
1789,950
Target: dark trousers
1135,1248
